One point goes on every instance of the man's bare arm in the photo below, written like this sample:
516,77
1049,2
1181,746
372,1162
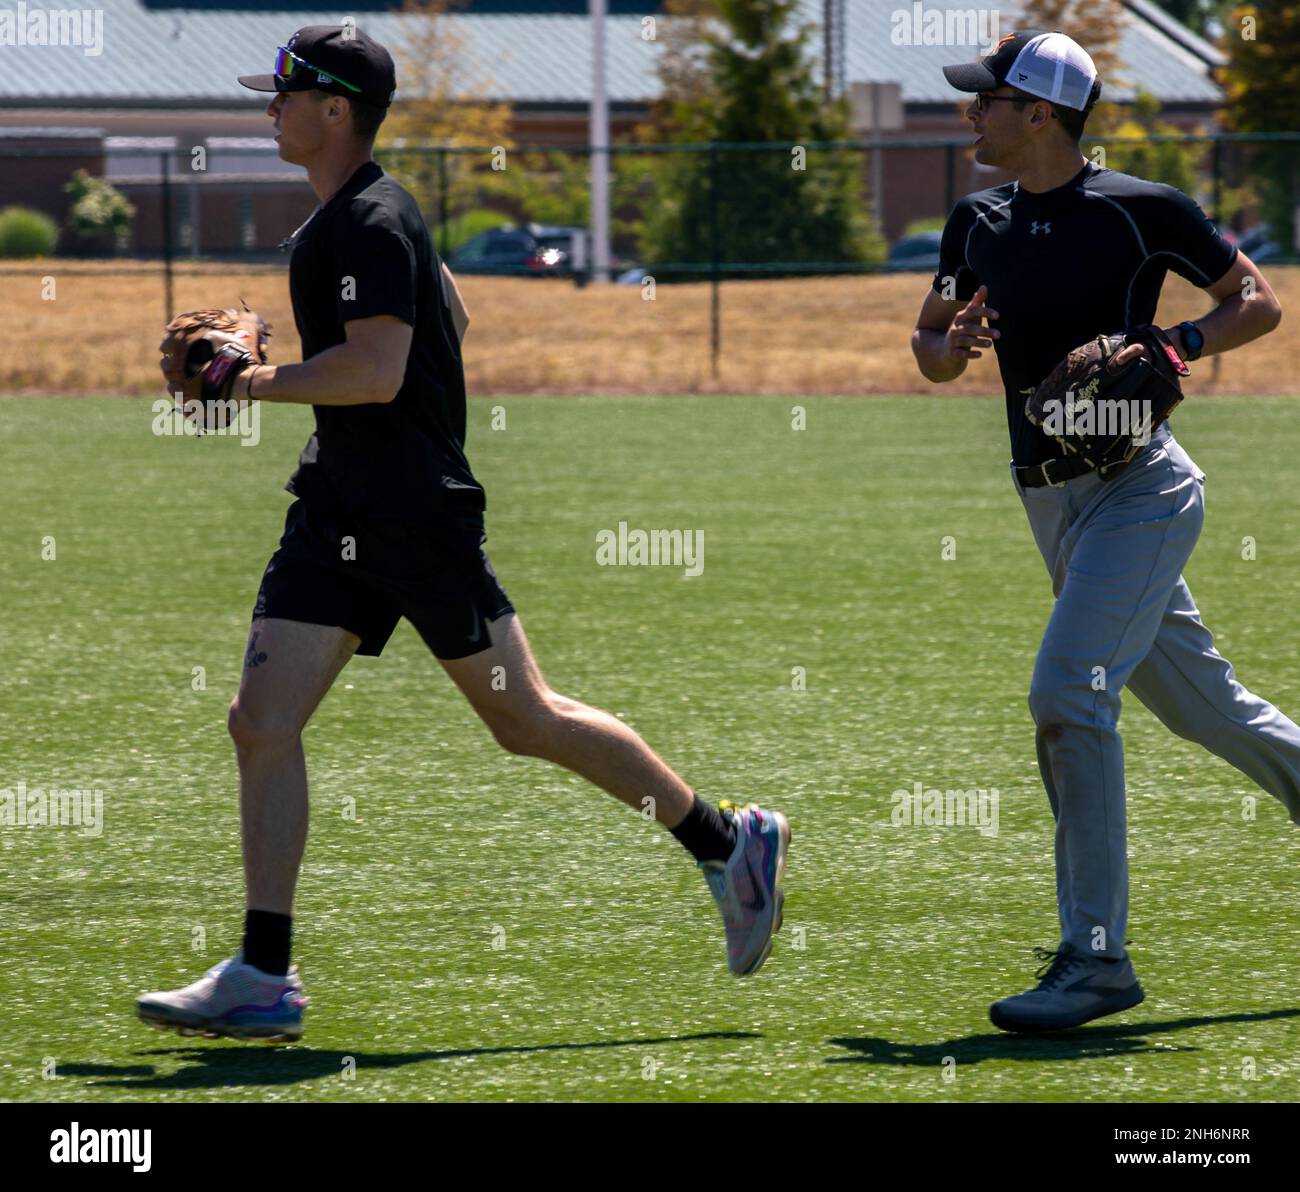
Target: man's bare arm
459,313
367,368
1247,308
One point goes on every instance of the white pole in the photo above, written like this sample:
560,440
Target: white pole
598,140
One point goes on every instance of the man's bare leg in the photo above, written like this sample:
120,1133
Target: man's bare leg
742,854
528,718
288,668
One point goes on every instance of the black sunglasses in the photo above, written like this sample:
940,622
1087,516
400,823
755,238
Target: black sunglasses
982,101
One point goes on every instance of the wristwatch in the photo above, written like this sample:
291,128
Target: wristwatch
1193,340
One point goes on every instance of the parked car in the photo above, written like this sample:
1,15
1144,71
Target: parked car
1258,244
915,254
513,252
570,241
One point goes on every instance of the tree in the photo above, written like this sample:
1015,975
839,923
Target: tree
1158,161
1205,17
1096,27
450,105
739,71
443,100
1262,41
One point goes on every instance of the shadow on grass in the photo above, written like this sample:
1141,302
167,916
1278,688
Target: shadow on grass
1087,1042
231,1065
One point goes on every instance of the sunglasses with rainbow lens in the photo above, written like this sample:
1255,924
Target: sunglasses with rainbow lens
287,62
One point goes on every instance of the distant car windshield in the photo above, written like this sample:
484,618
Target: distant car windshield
509,245
915,248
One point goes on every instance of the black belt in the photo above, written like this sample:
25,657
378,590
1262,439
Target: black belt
1054,472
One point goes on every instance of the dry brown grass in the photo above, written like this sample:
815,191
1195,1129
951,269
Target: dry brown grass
833,335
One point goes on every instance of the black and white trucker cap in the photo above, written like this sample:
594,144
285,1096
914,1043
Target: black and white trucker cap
1049,65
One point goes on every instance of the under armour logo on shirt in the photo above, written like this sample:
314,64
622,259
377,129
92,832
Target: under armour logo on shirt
1045,227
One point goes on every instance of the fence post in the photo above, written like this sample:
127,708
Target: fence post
442,201
950,176
1292,225
1216,174
715,324
165,163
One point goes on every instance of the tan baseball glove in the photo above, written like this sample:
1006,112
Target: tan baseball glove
205,353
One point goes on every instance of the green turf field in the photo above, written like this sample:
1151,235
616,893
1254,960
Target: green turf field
823,551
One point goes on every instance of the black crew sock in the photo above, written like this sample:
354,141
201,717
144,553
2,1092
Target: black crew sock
705,834
267,940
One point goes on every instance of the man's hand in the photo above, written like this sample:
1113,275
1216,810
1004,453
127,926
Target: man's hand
1133,351
948,334
206,355
968,334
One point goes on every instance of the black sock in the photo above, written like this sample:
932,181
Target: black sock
704,833
267,937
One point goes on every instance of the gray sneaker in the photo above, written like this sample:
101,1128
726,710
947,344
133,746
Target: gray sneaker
1073,988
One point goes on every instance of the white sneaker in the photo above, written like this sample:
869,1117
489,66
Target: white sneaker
231,999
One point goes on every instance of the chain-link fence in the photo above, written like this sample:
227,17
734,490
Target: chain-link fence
713,212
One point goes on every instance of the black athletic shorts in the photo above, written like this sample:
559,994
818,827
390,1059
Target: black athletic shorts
331,569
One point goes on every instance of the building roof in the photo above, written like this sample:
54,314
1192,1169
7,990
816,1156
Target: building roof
191,57
157,55
1175,69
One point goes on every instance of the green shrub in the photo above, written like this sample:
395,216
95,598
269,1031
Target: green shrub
26,233
917,226
99,210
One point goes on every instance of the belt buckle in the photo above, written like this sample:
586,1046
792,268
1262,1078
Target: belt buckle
1046,478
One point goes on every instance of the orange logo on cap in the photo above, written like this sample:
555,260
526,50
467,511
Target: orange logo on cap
1009,37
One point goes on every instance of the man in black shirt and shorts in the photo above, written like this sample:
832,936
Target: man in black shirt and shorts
1065,253
389,523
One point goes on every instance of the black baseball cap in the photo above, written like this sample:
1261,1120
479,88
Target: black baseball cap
1049,65
340,59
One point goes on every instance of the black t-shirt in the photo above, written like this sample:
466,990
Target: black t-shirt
367,252
1067,265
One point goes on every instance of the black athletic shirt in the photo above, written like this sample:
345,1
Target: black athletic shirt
1064,266
367,252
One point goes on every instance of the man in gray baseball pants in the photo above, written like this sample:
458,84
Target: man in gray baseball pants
1124,618
1066,252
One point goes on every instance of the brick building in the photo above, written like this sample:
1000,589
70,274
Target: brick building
163,79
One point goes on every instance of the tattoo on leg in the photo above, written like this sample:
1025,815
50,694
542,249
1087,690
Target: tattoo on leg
254,657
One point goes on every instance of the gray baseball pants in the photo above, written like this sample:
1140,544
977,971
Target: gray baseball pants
1124,618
